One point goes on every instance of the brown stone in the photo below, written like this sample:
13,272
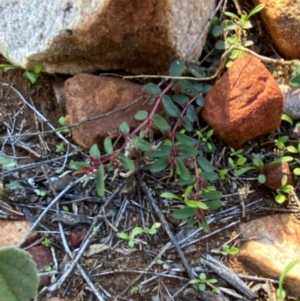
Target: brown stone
282,20
245,103
274,174
271,243
88,96
43,258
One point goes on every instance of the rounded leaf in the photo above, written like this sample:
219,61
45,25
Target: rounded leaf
196,204
152,89
177,67
161,123
18,275
141,115
108,146
124,128
217,31
171,109
141,144
126,162
159,165
95,152
100,185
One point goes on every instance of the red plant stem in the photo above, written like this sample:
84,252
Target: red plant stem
172,133
148,121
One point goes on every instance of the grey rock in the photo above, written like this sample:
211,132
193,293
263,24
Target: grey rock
76,35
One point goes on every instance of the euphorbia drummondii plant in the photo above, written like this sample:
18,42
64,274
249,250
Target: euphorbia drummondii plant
182,151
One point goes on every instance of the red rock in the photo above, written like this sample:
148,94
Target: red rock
281,19
245,103
76,237
43,258
274,174
88,96
270,244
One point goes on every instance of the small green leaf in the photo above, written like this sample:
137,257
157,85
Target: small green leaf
161,123
7,163
193,281
196,204
18,275
126,162
177,67
282,159
255,10
197,71
170,108
184,213
200,101
141,144
287,188
185,139
294,77
287,118
221,45
258,162
181,169
161,151
292,149
280,198
159,164
209,176
108,146
141,115
32,77
187,151
211,195
202,277
131,243
170,195
135,231
124,128
296,171
205,164
262,179
95,152
123,235
241,161
243,170
214,204
217,31
231,15
152,89
233,251
78,165
37,68
191,114
180,99
100,185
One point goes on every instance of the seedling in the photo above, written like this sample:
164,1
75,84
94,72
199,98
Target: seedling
60,148
46,242
235,32
31,75
227,250
283,191
202,282
137,231
281,294
195,205
62,122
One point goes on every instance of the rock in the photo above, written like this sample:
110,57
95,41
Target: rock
12,232
281,19
272,242
43,258
88,96
291,96
76,36
274,174
245,103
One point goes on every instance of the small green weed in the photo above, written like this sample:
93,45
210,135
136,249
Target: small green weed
202,282
281,294
227,250
137,231
31,75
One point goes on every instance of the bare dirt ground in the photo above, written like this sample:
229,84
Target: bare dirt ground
153,269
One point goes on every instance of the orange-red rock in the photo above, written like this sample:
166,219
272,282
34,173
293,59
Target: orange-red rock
274,174
268,245
245,103
88,96
281,19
